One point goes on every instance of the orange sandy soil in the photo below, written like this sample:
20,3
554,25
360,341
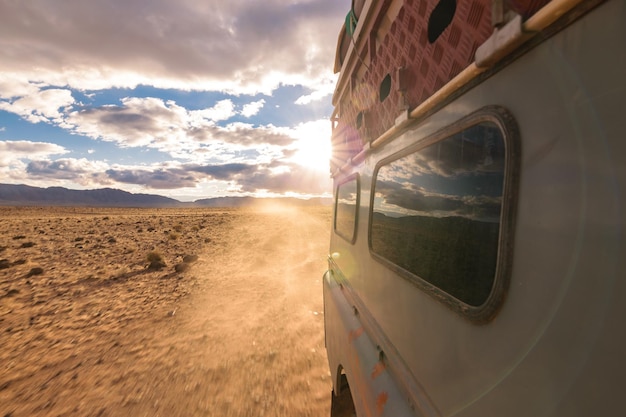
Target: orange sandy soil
87,329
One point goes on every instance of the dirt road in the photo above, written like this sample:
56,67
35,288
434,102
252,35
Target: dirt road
250,342
247,340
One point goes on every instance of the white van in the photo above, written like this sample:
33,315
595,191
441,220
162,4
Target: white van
477,262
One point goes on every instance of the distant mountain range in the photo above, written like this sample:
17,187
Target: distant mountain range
25,195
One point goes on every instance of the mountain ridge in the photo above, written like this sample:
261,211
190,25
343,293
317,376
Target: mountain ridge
26,195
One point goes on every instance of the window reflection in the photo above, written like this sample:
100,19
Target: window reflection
436,212
346,209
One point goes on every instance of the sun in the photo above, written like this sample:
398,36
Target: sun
312,147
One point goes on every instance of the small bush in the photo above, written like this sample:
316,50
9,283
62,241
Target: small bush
35,271
190,258
155,259
182,267
173,236
27,245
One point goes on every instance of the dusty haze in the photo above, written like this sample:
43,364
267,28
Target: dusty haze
87,328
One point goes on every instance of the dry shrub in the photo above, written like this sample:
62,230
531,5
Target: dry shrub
190,258
182,267
155,259
35,271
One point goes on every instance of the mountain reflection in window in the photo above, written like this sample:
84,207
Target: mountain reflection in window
346,209
436,212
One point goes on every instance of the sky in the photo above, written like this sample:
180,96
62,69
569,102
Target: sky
189,99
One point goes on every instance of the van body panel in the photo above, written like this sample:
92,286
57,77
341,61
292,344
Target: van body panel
555,345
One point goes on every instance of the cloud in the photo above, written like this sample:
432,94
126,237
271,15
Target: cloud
13,151
224,172
246,157
289,178
223,110
40,106
253,108
237,46
137,122
415,202
274,178
324,89
159,178
79,171
166,126
60,169
248,135
14,85
240,177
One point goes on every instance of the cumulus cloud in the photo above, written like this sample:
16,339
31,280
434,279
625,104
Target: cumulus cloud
40,106
166,126
13,151
236,46
253,108
241,156
224,172
14,85
275,177
239,177
325,88
399,198
290,178
136,122
159,178
247,135
80,171
223,110
179,176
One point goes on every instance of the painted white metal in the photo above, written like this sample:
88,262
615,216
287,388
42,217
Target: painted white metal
556,347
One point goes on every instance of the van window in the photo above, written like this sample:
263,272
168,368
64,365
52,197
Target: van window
346,209
436,213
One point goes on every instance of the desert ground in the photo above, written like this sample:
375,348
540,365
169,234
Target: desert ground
163,312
